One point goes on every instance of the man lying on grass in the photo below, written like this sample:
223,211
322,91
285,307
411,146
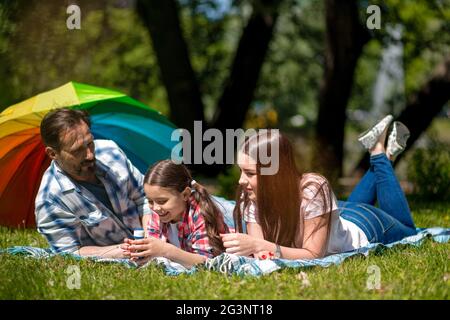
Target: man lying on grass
91,197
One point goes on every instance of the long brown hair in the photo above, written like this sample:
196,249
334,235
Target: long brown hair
168,174
279,196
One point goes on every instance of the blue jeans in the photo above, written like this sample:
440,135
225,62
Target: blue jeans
390,222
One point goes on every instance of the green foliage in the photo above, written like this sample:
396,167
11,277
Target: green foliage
293,70
211,44
7,89
365,77
426,35
112,50
228,182
429,170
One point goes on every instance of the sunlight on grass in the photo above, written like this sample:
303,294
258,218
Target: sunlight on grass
405,273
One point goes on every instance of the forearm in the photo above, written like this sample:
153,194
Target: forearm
144,221
287,252
254,230
185,258
113,251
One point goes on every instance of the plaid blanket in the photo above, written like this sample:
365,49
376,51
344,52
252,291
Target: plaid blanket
232,264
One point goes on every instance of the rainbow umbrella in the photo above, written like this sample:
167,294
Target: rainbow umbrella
142,133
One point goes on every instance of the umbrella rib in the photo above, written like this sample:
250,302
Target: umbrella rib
23,144
21,121
135,132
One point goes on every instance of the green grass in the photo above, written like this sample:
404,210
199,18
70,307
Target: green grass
406,273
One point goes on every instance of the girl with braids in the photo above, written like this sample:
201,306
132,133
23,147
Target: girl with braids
296,216
185,223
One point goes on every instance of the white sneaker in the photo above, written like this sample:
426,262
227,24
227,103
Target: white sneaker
397,139
370,137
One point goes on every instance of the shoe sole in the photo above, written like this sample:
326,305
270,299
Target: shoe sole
402,134
397,145
364,137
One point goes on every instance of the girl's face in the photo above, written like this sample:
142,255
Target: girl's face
168,203
248,178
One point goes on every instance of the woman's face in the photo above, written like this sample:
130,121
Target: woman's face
168,203
248,178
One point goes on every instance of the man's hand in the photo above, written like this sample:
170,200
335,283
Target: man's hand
114,251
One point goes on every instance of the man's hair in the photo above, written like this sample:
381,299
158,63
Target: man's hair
58,121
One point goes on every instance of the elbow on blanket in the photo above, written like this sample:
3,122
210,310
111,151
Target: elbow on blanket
314,255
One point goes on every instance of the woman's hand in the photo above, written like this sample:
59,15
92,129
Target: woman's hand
148,247
240,243
264,255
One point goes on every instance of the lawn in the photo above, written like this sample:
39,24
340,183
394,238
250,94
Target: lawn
405,273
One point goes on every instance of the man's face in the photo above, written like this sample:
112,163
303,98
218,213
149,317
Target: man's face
76,156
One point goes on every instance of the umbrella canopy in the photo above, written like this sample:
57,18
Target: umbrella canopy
142,133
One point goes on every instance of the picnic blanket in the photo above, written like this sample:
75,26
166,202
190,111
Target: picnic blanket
232,264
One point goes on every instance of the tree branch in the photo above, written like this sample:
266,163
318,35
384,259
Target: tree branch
345,39
421,108
161,19
239,88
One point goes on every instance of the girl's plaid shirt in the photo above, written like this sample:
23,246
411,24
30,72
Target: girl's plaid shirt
192,232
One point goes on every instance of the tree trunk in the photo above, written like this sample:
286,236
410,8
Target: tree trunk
10,14
421,109
240,86
345,38
161,19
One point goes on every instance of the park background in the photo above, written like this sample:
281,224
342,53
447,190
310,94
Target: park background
311,68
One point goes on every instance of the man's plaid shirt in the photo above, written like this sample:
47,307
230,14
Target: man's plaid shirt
70,217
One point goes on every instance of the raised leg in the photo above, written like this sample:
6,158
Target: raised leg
391,198
365,191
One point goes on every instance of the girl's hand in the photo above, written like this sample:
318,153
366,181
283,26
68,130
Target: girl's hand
240,243
148,247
